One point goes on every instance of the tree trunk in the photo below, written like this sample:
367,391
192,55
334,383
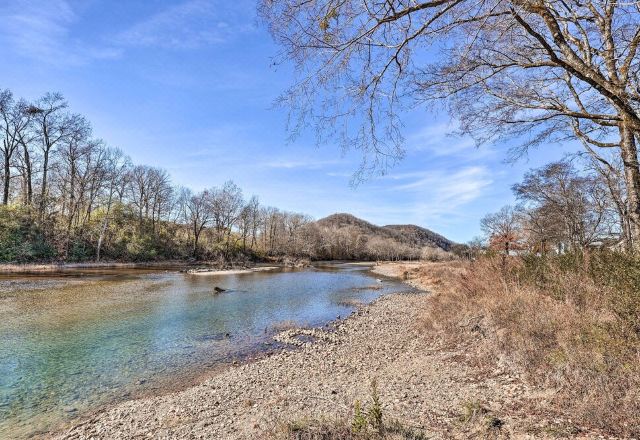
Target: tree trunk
72,209
254,233
505,255
28,175
7,179
43,190
105,225
629,155
196,236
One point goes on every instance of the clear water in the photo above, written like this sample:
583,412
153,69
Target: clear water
69,345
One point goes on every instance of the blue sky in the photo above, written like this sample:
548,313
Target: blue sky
189,86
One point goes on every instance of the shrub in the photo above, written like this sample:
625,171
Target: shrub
80,250
21,240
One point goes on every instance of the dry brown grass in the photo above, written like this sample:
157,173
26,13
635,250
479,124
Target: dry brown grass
567,333
426,275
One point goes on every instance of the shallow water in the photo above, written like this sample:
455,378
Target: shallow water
71,344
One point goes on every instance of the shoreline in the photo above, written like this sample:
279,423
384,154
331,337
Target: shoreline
63,267
232,271
421,382
36,268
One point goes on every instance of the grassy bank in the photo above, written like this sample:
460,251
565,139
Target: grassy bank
570,323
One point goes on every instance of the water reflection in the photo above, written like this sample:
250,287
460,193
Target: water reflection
69,345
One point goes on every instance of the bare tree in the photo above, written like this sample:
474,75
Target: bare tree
609,170
566,205
533,70
53,125
253,212
14,121
73,149
116,167
198,213
27,139
503,229
139,181
226,204
160,194
476,246
249,222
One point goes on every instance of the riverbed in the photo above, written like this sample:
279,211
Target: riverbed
73,343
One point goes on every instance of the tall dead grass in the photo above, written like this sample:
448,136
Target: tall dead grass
570,323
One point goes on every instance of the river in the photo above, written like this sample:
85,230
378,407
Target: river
72,343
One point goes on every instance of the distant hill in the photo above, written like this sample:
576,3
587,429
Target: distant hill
342,220
412,235
422,236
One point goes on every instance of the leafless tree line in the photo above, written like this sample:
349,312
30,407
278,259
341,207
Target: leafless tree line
563,206
228,223
89,201
56,171
79,191
351,243
69,196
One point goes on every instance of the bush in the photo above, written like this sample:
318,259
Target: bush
80,250
596,280
620,275
21,240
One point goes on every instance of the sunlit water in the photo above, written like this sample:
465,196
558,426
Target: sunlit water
69,345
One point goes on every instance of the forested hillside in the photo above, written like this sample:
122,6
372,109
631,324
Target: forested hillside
349,237
420,236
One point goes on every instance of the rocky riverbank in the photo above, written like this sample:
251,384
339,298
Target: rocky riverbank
434,389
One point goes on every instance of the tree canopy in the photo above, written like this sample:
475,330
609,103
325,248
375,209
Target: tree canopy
530,71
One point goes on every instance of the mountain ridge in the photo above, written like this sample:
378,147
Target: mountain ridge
406,234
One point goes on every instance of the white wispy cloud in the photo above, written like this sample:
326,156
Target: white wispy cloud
40,29
310,164
448,179
43,29
443,192
189,25
440,140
